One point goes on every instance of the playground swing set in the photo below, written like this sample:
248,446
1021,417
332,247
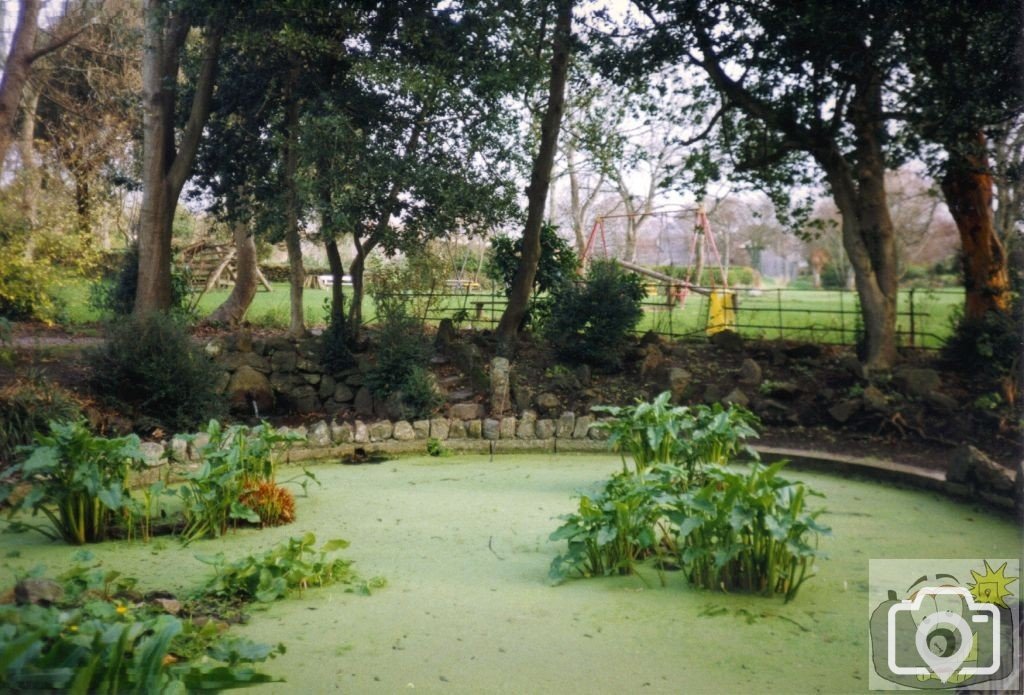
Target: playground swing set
722,305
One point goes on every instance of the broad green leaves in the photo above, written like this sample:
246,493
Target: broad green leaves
691,437
78,481
232,459
289,567
748,530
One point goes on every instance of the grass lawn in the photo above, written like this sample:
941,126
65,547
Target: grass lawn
827,316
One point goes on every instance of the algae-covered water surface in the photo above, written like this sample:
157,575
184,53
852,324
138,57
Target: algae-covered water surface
463,543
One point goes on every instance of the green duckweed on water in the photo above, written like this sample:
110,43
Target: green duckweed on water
463,543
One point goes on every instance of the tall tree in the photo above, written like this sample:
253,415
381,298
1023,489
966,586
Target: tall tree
248,166
808,83
591,139
540,178
418,144
82,116
965,59
394,129
22,54
168,158
656,160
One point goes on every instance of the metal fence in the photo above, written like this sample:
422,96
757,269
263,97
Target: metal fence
924,316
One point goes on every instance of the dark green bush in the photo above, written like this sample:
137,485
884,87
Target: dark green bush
558,261
336,340
403,350
419,394
988,347
834,277
114,295
150,367
26,407
401,345
591,321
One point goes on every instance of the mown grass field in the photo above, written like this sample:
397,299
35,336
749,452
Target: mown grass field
827,316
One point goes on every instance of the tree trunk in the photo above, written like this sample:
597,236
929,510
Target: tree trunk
154,286
337,276
232,310
30,172
297,275
576,211
540,177
868,240
857,181
867,230
364,245
355,309
19,58
83,201
967,187
629,251
165,168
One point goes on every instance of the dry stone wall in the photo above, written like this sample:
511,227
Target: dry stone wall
276,374
334,440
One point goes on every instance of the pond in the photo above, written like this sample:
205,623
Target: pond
463,543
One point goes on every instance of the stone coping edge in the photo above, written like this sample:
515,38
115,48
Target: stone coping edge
869,467
581,437
888,471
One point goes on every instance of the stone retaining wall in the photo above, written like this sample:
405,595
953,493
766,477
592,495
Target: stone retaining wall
326,440
970,477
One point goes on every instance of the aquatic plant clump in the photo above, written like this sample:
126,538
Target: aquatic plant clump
273,504
78,481
89,631
747,531
292,566
235,461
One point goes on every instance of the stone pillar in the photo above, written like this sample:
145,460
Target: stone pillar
500,372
